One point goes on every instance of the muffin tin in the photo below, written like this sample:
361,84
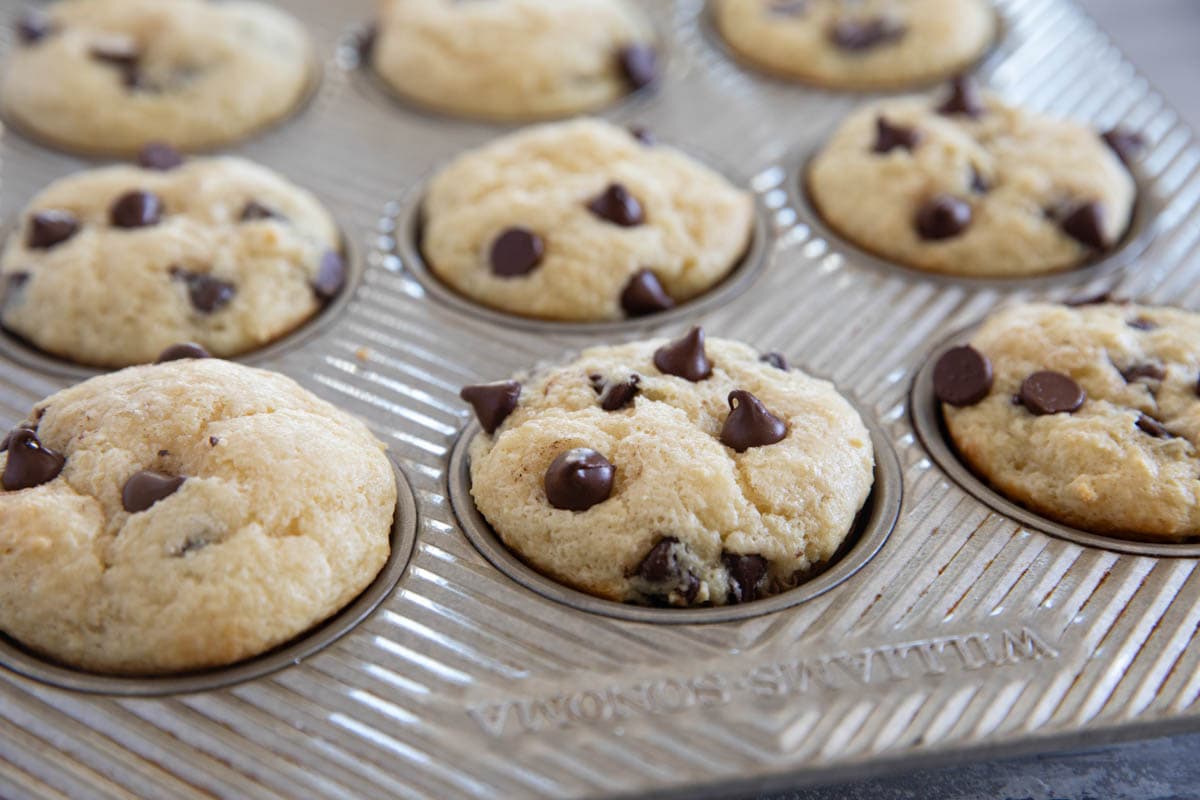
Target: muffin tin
975,630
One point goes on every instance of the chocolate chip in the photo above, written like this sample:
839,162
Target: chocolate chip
643,135
1085,224
1128,145
1049,392
206,292
33,26
145,488
493,402
776,360
159,156
30,463
516,251
685,357
863,34
965,98
136,209
888,136
178,352
616,205
962,376
254,210
615,396
639,65
163,453
661,564
943,217
49,228
750,424
1139,371
745,575
579,479
1142,324
213,441
331,276
1150,425
644,294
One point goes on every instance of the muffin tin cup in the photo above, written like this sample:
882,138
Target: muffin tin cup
930,426
372,85
399,250
27,354
1001,45
1133,244
26,662
872,527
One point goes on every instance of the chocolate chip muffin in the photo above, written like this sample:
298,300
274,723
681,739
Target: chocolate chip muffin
185,515
963,184
870,44
110,75
682,473
1087,415
514,59
582,221
111,265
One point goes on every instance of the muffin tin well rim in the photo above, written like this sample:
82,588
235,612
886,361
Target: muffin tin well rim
1137,238
374,87
877,519
27,663
926,415
313,82
1003,43
402,231
26,354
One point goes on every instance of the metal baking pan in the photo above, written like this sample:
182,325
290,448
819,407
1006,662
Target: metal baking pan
972,632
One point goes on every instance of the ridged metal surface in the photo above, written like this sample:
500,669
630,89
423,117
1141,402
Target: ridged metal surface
967,633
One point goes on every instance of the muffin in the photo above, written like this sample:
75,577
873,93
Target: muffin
682,473
872,44
513,59
1087,415
963,184
582,221
110,75
185,515
111,265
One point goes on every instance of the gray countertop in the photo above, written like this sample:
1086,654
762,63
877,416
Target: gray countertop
1160,37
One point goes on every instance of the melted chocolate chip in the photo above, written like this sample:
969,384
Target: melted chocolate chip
685,357
493,402
643,135
145,488
615,396
965,98
579,479
33,26
159,156
178,352
49,228
639,65
746,573
864,34
1142,324
30,463
1085,224
962,376
776,360
616,205
943,216
888,136
1049,392
750,424
1128,145
516,251
136,209
644,294
661,564
1150,425
207,293
330,277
